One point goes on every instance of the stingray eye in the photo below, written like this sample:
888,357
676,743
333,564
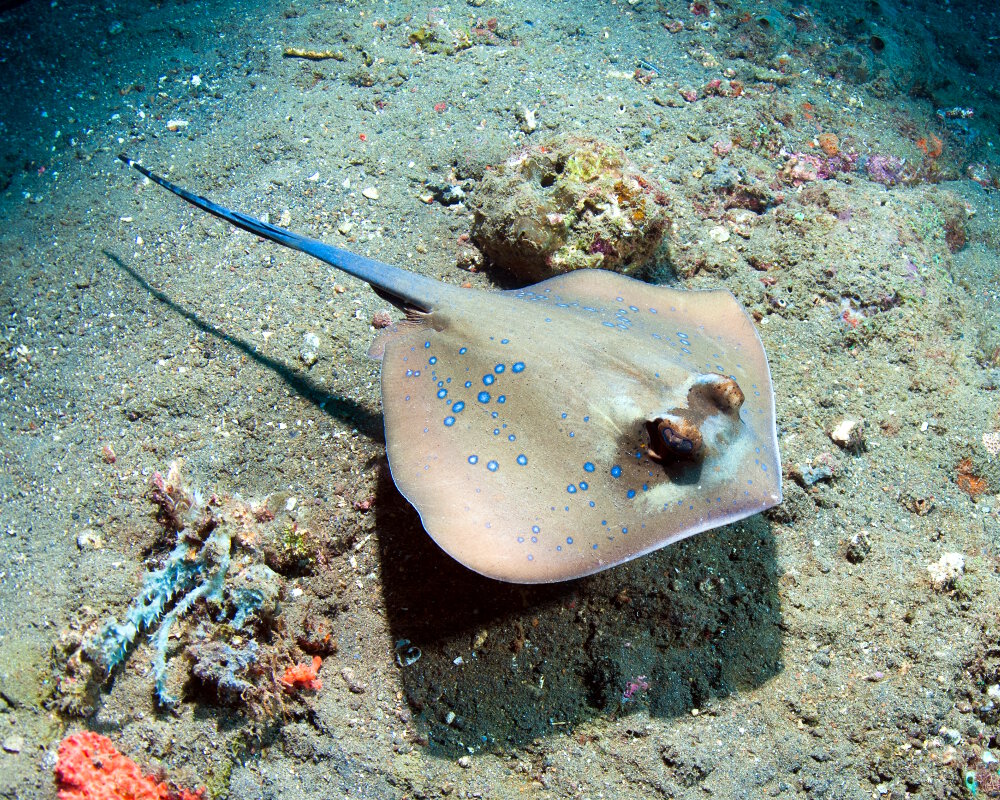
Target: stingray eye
720,390
673,438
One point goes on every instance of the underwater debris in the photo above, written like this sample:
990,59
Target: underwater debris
89,767
196,569
312,55
570,203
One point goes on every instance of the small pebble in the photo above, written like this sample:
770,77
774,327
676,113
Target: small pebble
465,762
89,539
309,352
13,743
848,434
719,234
946,570
370,192
356,686
345,228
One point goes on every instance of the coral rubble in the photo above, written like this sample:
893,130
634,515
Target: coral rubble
571,203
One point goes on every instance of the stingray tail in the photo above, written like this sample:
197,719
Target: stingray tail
404,289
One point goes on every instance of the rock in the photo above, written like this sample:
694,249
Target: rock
568,203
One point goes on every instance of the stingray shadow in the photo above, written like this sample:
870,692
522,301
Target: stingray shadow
344,409
502,664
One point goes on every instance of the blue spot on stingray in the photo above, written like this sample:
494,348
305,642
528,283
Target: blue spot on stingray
522,459
473,459
588,466
442,393
584,486
564,415
586,419
569,540
608,324
501,398
535,529
520,539
496,431
505,341
616,471
407,398
624,530
487,380
571,489
511,438
427,344
630,494
463,350
432,360
495,414
517,366
449,421
468,384
499,368
458,406
592,504
483,397
492,466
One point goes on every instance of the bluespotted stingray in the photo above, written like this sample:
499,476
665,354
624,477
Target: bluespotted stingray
554,431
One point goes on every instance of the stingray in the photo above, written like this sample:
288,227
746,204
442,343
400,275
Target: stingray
550,432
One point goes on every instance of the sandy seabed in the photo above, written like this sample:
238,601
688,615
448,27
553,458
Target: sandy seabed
818,165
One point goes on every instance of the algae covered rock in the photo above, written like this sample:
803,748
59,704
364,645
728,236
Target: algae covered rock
572,203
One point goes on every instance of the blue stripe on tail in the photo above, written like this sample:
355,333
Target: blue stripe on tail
407,290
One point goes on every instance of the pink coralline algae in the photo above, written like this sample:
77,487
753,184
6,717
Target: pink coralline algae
887,170
636,685
805,167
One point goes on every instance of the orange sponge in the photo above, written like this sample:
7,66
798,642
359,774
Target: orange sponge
90,768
